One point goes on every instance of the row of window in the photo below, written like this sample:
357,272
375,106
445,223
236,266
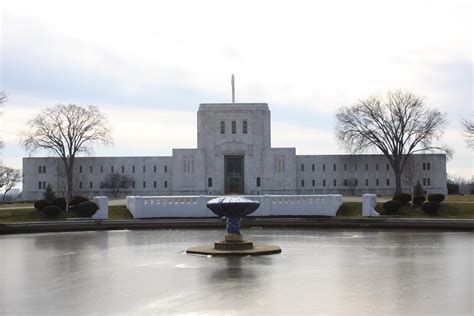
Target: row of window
426,166
41,169
144,184
355,182
112,169
234,127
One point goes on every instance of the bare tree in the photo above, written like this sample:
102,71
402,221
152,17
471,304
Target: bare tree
3,99
116,182
67,131
8,178
397,123
468,132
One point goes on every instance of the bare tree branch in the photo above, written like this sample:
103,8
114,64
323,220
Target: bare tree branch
8,178
67,131
468,132
397,123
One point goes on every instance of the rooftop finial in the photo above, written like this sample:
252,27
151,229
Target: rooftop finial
232,82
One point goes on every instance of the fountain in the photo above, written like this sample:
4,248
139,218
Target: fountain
234,208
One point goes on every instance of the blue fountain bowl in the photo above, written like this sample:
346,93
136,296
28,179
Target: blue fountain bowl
232,206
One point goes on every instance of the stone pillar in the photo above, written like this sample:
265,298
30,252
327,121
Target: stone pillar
103,211
369,201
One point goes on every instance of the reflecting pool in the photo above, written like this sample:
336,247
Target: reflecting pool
146,272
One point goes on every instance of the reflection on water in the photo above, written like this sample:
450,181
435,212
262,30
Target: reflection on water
319,271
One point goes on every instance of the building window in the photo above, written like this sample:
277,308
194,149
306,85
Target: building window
258,182
428,166
90,185
324,167
388,182
44,169
154,169
101,184
334,182
80,169
144,184
334,167
39,185
388,167
188,165
324,182
166,169
244,127
424,166
80,185
345,167
101,169
366,182
209,182
90,169
428,181
313,182
377,182
133,169
222,127
312,167
154,184
40,170
302,183
345,182
234,127
133,184
302,167
123,169
144,169
279,164
44,184
356,182
111,169
166,184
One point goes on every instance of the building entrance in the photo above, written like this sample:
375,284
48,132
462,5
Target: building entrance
234,174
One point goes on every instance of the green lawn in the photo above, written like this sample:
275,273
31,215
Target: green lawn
116,212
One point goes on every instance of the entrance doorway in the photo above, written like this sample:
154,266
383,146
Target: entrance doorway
234,174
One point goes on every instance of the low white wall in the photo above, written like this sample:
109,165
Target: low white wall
369,201
103,211
270,205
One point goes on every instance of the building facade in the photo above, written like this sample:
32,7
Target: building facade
234,156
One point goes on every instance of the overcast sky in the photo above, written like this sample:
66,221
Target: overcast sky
148,65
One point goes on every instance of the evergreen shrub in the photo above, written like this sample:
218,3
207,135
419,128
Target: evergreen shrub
87,209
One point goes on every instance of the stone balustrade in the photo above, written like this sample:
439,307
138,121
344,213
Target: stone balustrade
270,205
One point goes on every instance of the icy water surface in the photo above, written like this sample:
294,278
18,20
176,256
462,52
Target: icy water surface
350,272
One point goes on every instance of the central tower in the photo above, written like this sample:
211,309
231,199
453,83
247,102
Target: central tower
233,137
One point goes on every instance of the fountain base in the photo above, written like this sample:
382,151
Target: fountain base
235,245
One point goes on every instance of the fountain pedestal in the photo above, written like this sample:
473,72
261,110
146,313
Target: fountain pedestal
234,208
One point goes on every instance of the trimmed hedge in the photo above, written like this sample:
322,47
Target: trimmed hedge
430,207
76,200
52,211
41,204
405,198
392,206
60,202
436,198
87,209
419,199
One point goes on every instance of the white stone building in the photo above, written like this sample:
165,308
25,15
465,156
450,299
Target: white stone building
234,155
